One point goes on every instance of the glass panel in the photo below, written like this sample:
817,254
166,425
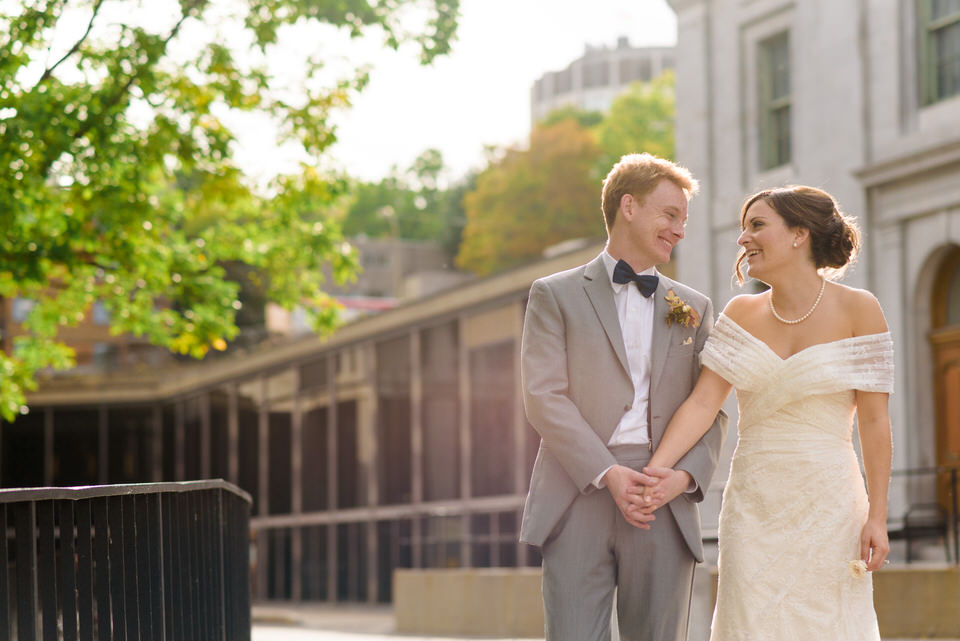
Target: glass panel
22,451
130,440
944,8
349,483
441,436
947,51
773,91
314,465
393,438
75,447
491,419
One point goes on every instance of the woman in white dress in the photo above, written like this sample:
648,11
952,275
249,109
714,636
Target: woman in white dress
798,535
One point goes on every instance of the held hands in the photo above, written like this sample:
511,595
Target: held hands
669,484
627,487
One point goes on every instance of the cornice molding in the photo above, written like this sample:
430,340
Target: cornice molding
909,164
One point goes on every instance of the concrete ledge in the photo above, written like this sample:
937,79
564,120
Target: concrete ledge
503,602
918,600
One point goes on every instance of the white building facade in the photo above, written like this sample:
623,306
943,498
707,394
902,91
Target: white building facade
861,99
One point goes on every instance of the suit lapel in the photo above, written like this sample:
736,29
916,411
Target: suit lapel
600,292
660,339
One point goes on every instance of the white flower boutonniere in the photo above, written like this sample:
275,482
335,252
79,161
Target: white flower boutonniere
858,568
680,311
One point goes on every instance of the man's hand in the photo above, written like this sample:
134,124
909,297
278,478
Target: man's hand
624,486
669,485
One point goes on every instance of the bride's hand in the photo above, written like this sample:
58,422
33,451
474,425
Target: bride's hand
670,484
874,544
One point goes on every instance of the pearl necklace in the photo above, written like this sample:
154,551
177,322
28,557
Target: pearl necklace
823,285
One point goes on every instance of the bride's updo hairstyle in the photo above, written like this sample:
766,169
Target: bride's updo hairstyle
834,236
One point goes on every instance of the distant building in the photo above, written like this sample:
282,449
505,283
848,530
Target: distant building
863,100
592,81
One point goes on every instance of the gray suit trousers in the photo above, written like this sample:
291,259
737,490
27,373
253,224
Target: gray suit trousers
594,550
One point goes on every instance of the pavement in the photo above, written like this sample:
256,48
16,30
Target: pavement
347,622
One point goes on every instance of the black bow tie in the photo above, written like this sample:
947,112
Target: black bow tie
623,273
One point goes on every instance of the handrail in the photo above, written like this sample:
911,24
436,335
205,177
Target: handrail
151,561
80,492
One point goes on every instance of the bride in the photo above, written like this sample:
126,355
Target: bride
798,534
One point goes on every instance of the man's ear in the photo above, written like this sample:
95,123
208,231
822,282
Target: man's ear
625,206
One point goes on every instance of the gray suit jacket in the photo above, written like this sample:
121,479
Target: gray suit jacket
577,386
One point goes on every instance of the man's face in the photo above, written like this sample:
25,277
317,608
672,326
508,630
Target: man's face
656,224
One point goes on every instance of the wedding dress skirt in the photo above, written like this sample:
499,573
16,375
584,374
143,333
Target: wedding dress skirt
795,502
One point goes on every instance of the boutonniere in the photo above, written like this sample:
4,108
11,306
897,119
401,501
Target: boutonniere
680,311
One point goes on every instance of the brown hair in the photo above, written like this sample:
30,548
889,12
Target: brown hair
638,175
834,236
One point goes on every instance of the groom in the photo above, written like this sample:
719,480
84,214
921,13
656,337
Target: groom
603,372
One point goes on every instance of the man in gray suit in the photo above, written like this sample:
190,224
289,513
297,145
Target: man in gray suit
608,355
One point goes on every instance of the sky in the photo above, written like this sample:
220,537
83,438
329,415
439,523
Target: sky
478,95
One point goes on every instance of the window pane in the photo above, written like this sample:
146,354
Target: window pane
947,48
773,91
943,8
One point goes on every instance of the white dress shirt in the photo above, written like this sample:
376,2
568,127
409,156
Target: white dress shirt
635,313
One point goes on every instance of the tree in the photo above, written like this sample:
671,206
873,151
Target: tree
413,205
641,119
585,118
118,183
532,198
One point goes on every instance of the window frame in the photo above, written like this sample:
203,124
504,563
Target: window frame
930,90
770,153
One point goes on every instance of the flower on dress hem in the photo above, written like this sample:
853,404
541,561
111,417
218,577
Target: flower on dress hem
680,311
858,568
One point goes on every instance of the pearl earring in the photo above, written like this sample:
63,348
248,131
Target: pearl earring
794,243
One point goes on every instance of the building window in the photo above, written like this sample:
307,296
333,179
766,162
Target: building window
101,315
939,22
21,309
773,90
596,74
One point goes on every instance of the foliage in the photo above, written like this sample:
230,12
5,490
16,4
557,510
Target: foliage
118,183
413,205
584,118
527,200
640,119
533,198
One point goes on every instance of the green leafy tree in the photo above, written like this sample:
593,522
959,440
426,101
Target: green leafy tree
585,118
118,182
640,119
413,205
529,199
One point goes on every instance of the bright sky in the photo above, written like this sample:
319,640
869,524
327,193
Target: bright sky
478,95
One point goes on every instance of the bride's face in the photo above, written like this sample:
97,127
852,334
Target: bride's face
767,240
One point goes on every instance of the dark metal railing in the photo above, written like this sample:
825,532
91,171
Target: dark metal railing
939,520
125,563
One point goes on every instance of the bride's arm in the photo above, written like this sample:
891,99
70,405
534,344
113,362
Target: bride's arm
873,423
692,419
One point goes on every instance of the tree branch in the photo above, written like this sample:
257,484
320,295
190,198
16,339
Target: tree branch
76,46
118,95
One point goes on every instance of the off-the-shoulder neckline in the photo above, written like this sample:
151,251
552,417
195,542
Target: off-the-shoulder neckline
808,347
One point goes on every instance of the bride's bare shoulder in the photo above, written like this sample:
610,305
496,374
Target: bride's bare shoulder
742,308
862,309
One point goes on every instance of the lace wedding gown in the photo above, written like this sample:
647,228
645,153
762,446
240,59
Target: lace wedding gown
795,502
